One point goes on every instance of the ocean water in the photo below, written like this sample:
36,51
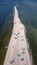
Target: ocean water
26,8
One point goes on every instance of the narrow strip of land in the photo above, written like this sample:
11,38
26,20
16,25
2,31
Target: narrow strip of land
17,53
